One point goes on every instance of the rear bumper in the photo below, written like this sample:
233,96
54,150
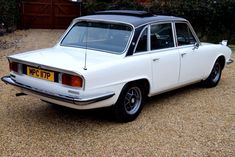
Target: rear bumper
62,98
230,61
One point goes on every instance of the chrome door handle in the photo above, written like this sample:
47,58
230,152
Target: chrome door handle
156,59
182,54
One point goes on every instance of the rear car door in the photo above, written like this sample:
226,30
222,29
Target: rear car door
165,57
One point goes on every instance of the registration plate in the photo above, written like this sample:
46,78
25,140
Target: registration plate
41,74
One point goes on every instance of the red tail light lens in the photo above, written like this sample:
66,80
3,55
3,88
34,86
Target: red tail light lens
71,80
14,66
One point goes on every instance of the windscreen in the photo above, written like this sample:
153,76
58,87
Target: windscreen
112,38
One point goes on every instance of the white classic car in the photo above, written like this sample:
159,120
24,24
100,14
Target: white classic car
118,58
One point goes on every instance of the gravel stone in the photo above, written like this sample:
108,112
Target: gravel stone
191,121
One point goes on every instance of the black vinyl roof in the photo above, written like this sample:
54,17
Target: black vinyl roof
125,12
135,18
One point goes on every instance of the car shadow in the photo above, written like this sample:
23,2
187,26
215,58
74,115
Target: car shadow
174,93
47,114
100,114
106,115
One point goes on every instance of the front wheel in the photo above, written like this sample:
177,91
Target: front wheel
214,76
129,103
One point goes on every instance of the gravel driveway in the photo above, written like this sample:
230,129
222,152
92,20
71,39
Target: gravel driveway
192,121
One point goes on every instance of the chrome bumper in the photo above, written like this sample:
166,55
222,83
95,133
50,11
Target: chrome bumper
230,61
63,98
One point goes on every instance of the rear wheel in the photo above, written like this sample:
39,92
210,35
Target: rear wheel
214,76
129,103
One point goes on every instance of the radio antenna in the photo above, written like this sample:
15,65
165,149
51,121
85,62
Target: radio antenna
85,64
85,68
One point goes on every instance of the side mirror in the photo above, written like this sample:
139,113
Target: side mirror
195,46
224,42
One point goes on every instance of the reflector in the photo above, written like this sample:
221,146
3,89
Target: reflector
13,66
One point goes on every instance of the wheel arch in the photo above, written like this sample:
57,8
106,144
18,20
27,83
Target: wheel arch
213,80
143,82
220,57
119,108
222,60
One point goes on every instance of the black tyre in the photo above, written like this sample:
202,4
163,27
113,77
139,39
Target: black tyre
214,76
129,103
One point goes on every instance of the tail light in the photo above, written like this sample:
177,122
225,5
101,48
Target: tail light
14,66
72,80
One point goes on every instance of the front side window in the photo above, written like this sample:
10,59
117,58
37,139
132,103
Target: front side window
106,37
184,34
161,36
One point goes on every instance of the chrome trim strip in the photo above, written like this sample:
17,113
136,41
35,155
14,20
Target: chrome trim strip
93,99
161,21
230,61
64,98
174,34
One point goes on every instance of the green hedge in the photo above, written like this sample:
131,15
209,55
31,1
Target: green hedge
91,6
213,20
9,13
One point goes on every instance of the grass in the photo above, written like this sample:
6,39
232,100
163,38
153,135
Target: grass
232,48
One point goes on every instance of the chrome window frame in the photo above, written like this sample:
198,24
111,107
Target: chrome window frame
102,21
173,35
192,31
141,52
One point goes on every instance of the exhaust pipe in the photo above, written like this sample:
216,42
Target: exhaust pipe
20,94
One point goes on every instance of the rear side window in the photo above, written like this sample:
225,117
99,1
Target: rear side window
161,36
184,34
142,44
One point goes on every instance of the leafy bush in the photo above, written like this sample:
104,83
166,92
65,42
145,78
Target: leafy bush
212,20
91,6
9,13
126,5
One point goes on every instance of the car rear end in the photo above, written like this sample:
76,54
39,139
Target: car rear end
51,84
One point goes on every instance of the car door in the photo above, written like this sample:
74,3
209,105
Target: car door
165,57
191,68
